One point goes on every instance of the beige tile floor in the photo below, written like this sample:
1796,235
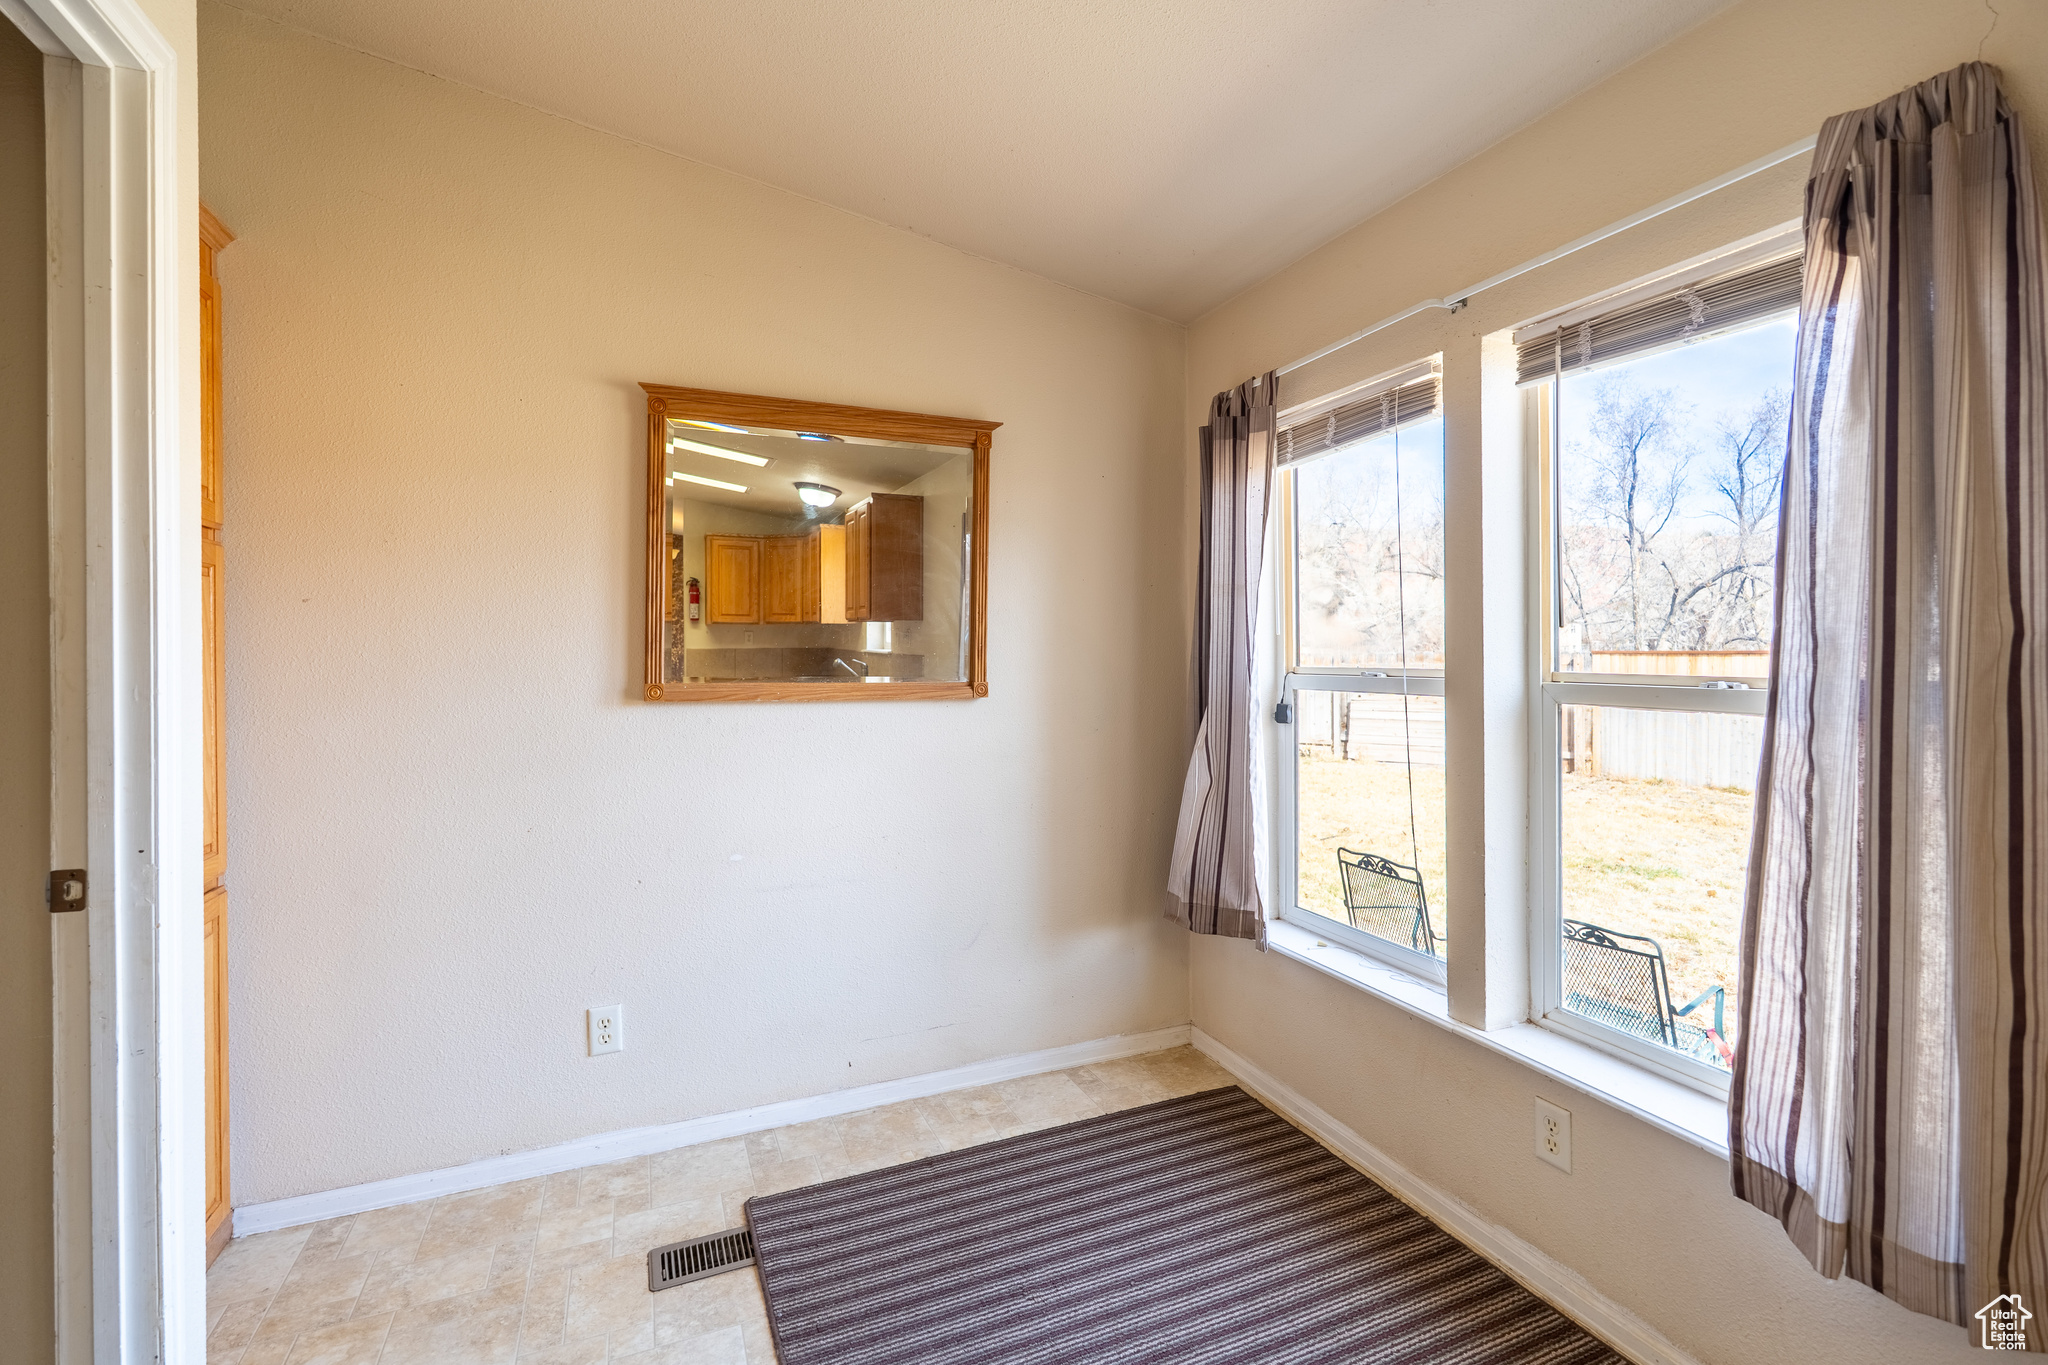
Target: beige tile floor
553,1270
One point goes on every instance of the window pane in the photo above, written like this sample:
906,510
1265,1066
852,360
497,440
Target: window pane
1369,812
1667,507
1654,835
1369,552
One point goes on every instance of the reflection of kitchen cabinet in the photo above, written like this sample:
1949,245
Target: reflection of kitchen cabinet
885,558
782,578
776,580
732,580
825,575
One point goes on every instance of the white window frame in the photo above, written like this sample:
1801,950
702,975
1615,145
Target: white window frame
1414,681
1550,690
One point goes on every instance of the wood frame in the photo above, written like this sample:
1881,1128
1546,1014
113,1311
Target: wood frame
790,414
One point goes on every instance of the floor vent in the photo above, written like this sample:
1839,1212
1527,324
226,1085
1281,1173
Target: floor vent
681,1262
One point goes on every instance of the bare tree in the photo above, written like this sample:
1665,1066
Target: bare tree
1638,465
1642,563
1748,469
1371,579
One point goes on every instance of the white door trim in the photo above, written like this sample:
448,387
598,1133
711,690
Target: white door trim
125,782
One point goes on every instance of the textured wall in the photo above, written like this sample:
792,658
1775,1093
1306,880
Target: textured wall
453,825
1647,1218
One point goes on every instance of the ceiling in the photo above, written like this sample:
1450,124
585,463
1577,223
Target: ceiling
1163,154
855,466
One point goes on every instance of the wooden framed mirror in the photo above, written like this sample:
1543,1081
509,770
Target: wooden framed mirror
813,552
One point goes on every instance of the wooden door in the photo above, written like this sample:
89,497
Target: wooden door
782,579
813,586
213,662
732,580
831,574
857,562
892,536
216,954
213,636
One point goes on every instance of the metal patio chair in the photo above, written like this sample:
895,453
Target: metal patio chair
1620,980
1386,898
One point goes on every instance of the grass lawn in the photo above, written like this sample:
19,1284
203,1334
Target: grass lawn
1653,858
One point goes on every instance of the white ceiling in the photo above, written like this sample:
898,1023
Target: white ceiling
1166,155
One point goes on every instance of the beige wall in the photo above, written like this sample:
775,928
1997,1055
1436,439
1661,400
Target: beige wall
1644,1216
453,826
26,1324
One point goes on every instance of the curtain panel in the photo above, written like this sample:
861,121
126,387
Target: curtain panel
1888,1104
1213,880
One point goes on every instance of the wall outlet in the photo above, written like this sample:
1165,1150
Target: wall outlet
607,1029
1554,1135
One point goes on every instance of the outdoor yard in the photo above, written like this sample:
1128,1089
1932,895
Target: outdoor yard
1644,857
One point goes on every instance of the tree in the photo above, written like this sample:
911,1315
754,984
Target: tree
1371,566
1671,548
1637,469
1747,474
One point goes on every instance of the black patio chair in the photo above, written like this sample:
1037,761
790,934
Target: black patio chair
1620,980
1386,898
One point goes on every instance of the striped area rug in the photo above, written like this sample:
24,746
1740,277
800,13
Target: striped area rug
1204,1230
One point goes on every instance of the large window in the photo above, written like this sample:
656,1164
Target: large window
1661,425
1362,782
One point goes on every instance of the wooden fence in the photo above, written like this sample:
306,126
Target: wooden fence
1691,748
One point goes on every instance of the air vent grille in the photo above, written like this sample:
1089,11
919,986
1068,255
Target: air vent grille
680,1262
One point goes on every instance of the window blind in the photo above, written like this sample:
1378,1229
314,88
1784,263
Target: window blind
1357,420
1697,310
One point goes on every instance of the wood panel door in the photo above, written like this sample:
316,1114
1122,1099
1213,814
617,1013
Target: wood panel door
209,385
216,953
830,574
782,579
213,656
732,580
213,639
893,544
857,562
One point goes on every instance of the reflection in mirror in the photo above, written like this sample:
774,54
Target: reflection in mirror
813,557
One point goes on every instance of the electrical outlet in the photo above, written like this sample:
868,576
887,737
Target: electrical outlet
607,1029
1554,1135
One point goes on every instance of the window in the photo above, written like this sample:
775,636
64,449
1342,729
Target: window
1660,423
1362,577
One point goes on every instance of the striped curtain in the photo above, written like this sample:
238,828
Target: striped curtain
1214,877
1890,1095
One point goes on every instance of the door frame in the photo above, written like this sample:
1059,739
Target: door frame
128,1053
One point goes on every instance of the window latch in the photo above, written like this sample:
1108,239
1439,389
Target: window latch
1721,685
66,890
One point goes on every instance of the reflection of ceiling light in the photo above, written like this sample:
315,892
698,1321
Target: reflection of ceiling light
677,442
814,436
708,426
817,494
709,483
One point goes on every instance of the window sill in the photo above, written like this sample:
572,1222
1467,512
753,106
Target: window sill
1679,1110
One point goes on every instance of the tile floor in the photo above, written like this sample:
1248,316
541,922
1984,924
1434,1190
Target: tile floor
553,1270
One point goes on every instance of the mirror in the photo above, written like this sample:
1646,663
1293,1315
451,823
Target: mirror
809,551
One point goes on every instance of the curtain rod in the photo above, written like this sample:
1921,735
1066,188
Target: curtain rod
1453,302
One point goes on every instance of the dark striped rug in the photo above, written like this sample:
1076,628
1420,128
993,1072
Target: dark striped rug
1202,1231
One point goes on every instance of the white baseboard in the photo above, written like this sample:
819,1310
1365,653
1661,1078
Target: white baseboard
603,1147
1550,1280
